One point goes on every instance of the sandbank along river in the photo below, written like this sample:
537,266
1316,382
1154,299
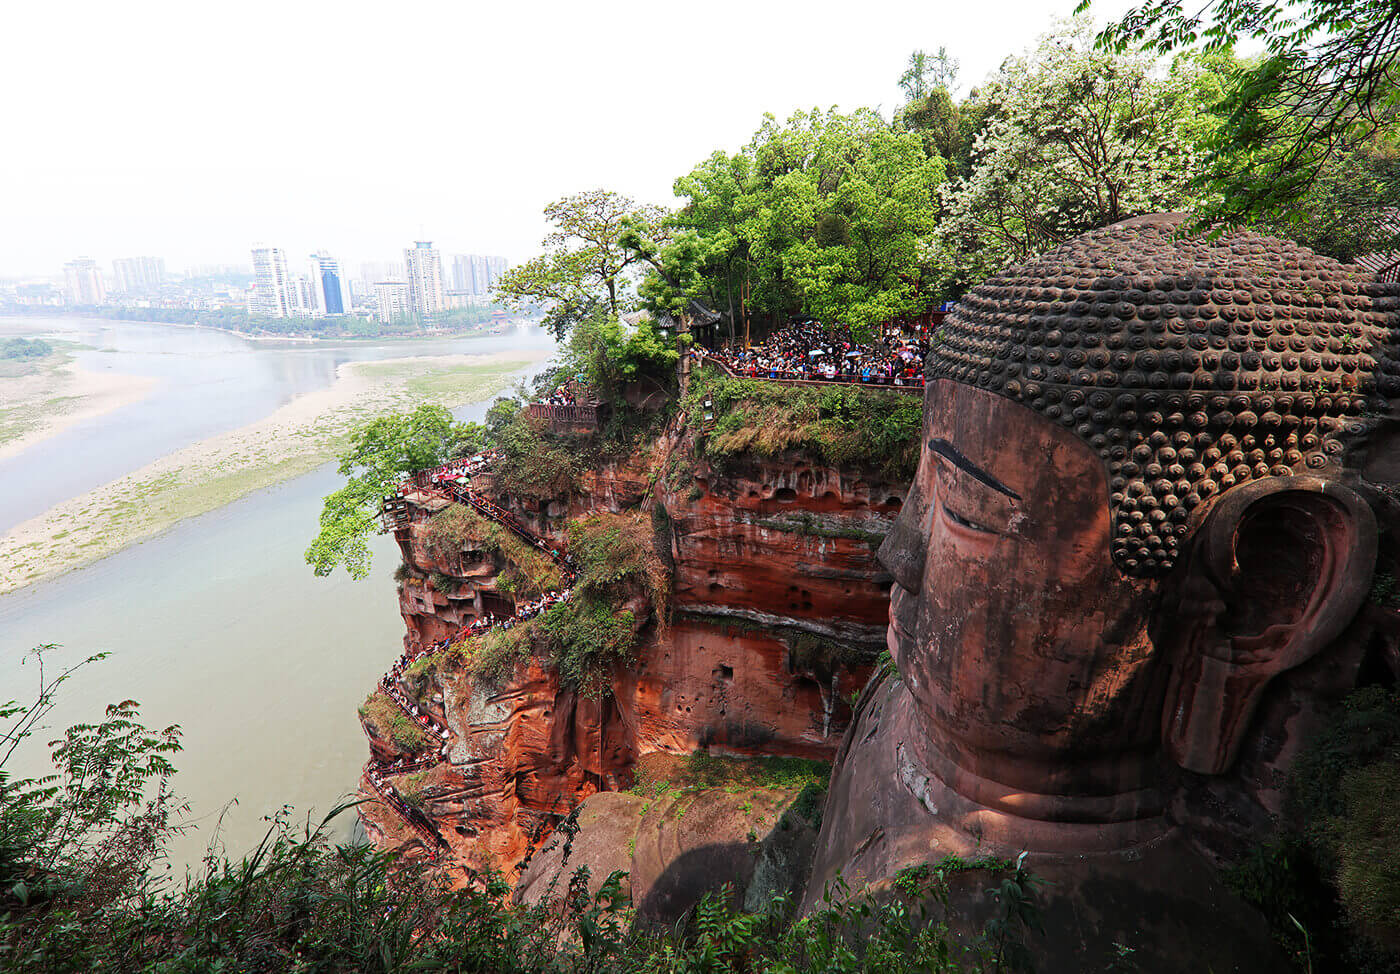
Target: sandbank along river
217,623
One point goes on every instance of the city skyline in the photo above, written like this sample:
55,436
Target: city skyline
188,184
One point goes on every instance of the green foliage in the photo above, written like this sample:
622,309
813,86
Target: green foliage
526,573
1366,838
1323,87
1327,881
532,462
609,355
391,724
493,655
381,453
1075,138
24,348
1347,210
585,265
587,637
820,217
97,824
656,774
928,73
85,898
613,551
841,425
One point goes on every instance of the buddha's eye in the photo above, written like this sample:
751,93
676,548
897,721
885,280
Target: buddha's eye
961,521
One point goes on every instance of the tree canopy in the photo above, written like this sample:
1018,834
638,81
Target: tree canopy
1076,138
380,454
1324,87
819,217
585,264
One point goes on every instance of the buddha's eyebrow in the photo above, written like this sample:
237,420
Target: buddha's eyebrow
950,453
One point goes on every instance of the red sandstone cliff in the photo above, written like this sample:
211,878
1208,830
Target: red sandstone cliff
778,611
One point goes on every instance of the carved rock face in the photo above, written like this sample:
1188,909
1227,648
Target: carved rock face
1021,643
1190,365
1136,538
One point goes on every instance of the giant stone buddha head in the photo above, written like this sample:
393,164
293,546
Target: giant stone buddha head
1138,503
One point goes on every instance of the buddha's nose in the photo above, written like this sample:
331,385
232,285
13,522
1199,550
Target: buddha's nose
904,549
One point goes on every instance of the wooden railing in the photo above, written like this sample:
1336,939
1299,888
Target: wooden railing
581,414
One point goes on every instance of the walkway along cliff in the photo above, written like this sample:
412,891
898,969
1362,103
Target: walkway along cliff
760,613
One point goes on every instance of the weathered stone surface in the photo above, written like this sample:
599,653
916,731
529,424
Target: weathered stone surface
1190,365
779,610
1058,690
680,846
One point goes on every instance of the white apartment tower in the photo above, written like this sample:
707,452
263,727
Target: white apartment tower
84,281
393,300
424,267
272,284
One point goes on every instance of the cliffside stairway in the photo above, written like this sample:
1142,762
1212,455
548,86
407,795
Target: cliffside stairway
450,482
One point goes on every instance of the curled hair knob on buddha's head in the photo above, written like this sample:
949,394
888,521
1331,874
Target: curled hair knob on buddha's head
1192,365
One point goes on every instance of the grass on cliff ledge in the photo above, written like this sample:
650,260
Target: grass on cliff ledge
842,425
391,724
585,638
527,573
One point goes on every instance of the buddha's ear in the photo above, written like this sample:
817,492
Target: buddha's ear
1291,560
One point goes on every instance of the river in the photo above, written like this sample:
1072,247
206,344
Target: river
218,624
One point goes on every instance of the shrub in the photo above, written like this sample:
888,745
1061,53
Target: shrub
587,637
1332,870
533,462
24,348
88,900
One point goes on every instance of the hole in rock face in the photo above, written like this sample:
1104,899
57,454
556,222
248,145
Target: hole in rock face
725,673
894,503
785,495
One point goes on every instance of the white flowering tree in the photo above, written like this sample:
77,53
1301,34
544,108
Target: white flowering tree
1076,138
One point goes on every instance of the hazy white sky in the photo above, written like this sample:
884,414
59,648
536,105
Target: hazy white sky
193,129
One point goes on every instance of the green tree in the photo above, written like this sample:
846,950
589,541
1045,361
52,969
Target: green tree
1349,208
610,354
1325,86
823,216
381,454
585,264
927,73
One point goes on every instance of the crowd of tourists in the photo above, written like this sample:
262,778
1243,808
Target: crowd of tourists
811,352
451,480
414,816
427,721
564,395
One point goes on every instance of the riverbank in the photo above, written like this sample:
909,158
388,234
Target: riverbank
293,440
44,398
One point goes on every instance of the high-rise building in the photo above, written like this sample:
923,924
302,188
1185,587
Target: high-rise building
272,293
424,268
393,299
374,271
476,274
138,274
331,291
84,281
